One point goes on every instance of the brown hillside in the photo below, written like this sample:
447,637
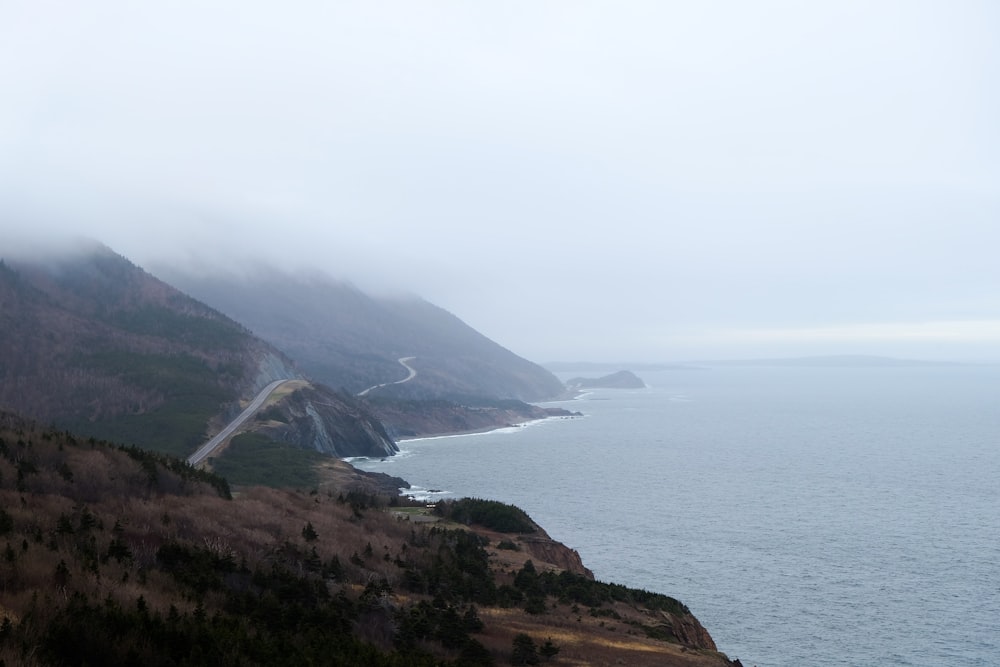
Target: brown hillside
111,556
92,343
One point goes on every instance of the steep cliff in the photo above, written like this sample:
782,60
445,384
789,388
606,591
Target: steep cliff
335,423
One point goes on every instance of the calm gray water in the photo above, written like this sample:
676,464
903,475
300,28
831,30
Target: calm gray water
806,516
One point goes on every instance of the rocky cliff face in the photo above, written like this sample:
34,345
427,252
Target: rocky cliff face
271,366
689,631
335,423
543,548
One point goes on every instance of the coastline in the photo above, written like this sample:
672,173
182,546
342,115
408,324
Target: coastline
545,551
419,492
409,420
688,642
506,428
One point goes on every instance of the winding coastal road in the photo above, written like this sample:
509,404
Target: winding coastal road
205,450
405,362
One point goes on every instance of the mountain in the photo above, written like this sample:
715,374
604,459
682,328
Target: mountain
121,555
93,343
346,338
116,556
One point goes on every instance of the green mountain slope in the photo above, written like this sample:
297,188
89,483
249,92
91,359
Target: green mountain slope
91,342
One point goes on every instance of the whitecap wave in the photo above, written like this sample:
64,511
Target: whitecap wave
367,460
424,495
513,428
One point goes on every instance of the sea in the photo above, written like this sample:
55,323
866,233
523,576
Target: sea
807,516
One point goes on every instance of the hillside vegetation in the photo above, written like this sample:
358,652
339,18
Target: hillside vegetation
113,556
94,344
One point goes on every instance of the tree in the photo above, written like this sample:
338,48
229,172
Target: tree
548,649
309,533
524,651
535,604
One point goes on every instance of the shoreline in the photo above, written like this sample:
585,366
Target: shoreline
510,428
431,494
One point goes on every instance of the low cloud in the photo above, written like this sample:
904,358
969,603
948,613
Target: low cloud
576,181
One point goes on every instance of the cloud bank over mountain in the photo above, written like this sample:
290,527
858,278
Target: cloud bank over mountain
655,180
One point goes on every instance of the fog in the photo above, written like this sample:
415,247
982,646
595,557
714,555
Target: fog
658,181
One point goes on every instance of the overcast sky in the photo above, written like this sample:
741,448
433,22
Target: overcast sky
578,180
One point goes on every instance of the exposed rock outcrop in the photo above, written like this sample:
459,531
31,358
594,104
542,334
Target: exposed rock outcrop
543,548
689,631
317,417
272,365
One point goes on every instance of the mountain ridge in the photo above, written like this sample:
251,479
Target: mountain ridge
93,342
344,337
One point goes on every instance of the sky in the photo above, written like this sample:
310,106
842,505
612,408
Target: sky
602,181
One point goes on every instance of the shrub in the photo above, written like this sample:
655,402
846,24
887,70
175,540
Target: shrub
490,514
524,651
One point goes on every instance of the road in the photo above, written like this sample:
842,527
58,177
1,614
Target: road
205,450
404,361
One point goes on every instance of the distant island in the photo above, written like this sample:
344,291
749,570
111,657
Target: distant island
619,380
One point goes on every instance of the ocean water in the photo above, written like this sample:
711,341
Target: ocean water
807,516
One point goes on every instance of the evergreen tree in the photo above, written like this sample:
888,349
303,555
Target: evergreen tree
309,533
524,651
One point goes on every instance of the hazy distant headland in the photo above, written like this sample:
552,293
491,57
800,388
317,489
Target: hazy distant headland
618,380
